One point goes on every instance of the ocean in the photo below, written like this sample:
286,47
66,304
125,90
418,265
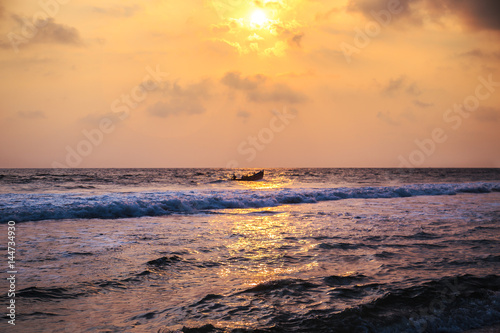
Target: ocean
303,250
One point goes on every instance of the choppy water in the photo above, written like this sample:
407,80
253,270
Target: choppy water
304,250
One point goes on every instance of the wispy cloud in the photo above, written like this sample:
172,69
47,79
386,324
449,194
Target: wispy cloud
182,100
394,86
175,107
243,114
487,114
421,104
387,118
277,93
259,89
53,32
117,11
236,81
31,114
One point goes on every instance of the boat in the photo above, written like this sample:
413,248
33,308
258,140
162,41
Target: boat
256,176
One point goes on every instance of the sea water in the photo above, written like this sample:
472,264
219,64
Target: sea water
304,250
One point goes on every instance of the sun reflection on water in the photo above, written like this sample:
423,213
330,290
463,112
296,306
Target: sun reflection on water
270,183
262,247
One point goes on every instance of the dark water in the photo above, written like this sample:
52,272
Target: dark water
95,180
304,250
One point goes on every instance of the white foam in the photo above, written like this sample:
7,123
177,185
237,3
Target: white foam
35,207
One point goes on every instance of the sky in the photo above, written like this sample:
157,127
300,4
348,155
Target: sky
233,83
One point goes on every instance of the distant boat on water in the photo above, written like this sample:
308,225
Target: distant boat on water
256,176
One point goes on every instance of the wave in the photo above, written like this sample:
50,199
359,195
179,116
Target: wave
450,304
57,206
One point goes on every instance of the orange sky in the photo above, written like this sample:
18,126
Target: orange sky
222,83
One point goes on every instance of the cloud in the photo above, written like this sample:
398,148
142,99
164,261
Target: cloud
178,100
230,25
200,90
285,29
296,40
243,114
472,53
258,91
394,86
421,104
326,16
479,54
387,118
236,81
52,32
271,4
408,114
31,114
307,73
368,7
278,93
96,118
413,89
255,37
476,14
272,40
487,115
117,11
175,108
5,45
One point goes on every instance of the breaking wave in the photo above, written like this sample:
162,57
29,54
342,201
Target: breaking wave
57,206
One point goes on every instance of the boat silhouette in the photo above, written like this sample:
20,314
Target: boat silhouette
256,176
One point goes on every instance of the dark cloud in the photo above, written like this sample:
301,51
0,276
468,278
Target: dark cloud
236,81
31,114
296,40
117,11
394,86
475,14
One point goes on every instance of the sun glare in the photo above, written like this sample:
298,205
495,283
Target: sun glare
258,17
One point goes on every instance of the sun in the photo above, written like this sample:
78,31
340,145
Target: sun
258,17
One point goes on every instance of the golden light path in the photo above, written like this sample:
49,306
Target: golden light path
259,235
